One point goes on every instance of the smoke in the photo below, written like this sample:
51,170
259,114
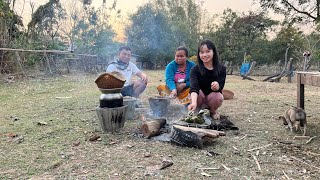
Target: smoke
163,107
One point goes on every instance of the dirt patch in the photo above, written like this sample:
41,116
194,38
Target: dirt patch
262,149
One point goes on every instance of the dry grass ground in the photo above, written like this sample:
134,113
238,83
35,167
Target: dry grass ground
44,137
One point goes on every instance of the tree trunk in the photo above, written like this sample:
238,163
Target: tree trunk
272,76
318,11
289,71
284,69
229,67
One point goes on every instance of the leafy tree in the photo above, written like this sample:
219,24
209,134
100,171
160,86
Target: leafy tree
45,24
224,36
10,25
184,18
92,32
250,32
159,27
10,30
294,10
288,36
150,35
239,35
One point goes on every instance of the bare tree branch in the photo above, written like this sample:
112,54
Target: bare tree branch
299,11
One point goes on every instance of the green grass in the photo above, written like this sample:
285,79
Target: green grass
48,151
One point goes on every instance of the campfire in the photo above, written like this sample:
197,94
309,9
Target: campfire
182,128
168,121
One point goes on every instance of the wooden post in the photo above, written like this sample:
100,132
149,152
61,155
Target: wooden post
48,62
300,91
19,62
68,65
289,70
55,64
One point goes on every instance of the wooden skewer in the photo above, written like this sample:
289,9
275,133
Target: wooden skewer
301,137
260,147
257,162
224,166
285,175
243,137
310,139
213,168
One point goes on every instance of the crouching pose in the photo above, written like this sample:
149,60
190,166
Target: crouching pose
207,80
128,69
178,77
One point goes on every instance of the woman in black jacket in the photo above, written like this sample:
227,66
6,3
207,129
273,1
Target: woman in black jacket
207,79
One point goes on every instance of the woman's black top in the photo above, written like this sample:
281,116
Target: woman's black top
203,82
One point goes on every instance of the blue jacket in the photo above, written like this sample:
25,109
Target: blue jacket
172,68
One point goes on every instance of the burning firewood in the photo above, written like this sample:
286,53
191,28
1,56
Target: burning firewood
194,137
152,128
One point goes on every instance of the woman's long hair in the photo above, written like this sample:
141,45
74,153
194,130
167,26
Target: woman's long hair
215,61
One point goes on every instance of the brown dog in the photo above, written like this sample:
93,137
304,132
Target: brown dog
295,116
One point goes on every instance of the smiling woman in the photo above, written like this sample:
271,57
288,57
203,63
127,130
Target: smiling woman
207,79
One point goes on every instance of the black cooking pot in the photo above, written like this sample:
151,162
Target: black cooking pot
111,98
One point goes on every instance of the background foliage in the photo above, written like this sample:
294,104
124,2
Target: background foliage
157,28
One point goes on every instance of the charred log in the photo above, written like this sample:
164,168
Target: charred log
152,128
193,137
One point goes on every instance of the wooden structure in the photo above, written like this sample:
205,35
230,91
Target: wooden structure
86,62
305,78
111,119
